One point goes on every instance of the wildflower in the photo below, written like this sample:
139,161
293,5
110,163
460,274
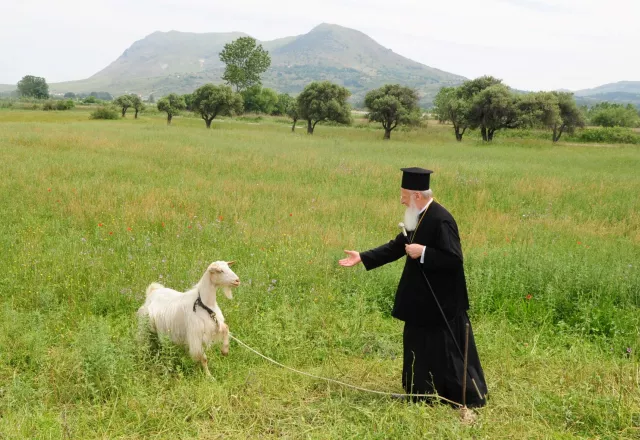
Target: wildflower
110,233
291,214
579,242
49,189
99,225
163,224
628,350
129,229
220,218
189,226
529,296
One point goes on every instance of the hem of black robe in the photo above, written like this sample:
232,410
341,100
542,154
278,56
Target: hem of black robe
430,358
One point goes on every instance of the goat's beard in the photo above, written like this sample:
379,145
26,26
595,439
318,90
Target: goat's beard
227,292
411,216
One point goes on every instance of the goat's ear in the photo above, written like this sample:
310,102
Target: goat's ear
215,268
231,263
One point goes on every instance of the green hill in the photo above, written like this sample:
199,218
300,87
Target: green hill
179,62
629,87
622,92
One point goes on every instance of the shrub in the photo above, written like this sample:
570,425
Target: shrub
105,112
48,105
607,135
58,105
65,105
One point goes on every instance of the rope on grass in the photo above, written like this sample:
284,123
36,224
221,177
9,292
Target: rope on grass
344,384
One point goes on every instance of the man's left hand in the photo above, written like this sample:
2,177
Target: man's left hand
413,250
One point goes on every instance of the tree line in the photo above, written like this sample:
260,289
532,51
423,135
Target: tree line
487,104
484,103
320,101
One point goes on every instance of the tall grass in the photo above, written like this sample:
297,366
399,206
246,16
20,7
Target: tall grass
93,211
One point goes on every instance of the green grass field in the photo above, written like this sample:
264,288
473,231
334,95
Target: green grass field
94,211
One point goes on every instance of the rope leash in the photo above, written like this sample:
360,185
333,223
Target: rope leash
344,384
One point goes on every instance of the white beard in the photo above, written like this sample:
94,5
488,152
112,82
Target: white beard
411,217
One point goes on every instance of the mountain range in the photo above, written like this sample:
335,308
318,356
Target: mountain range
624,92
173,61
179,62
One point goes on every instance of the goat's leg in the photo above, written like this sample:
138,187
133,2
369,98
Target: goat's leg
224,329
197,354
205,364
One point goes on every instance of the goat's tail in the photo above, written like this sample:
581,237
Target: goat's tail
152,287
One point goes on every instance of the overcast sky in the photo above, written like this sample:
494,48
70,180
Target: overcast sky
530,44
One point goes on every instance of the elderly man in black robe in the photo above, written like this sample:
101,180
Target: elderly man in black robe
433,359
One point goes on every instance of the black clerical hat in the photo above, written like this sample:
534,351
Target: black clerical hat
415,179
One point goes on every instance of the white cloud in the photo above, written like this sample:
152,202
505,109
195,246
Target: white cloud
531,44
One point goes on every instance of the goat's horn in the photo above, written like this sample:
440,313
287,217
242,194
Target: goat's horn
229,263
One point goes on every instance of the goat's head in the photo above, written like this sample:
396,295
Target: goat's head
221,275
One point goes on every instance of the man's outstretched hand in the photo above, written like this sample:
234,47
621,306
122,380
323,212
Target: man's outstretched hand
353,258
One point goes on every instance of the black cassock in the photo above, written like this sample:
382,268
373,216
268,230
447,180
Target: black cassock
432,363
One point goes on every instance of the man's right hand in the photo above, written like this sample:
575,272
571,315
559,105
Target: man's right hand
352,259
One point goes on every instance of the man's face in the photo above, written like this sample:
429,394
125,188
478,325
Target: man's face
406,196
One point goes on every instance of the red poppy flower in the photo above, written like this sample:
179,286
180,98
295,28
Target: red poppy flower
110,233
220,218
129,229
579,243
529,296
99,225
291,214
163,224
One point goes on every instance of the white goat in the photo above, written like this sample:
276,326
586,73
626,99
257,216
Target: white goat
192,318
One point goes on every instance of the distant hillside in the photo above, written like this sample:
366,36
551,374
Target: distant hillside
179,62
167,53
623,92
631,87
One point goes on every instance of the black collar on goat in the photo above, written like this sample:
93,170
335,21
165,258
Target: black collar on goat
198,302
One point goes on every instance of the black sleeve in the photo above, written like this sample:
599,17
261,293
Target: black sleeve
447,254
391,251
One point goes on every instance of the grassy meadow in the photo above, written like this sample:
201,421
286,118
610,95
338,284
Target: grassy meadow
94,211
